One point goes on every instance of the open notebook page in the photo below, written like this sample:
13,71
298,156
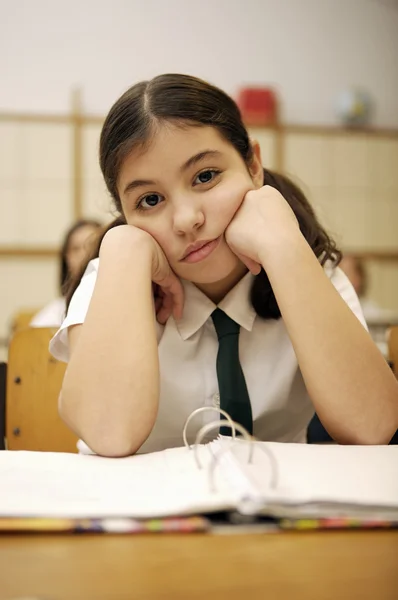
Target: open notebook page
324,475
164,483
311,480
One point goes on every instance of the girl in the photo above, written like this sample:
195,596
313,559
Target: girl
204,224
75,248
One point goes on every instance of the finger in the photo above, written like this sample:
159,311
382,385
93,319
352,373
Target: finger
163,314
157,293
165,308
253,266
177,292
158,304
174,295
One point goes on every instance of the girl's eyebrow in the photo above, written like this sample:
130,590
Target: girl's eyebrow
198,157
132,185
137,183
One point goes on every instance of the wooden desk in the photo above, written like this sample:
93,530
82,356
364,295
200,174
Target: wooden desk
291,566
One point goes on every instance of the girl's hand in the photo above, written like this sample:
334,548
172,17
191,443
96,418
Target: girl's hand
263,218
167,288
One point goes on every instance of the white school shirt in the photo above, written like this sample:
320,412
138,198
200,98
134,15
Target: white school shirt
52,315
188,348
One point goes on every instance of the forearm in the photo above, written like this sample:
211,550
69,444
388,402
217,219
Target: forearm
111,387
352,388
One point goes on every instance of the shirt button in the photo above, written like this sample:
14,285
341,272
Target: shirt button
216,400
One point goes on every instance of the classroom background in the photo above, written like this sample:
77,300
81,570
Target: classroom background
63,64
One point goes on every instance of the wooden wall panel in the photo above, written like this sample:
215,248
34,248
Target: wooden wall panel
352,182
26,283
268,140
383,283
96,201
35,183
350,177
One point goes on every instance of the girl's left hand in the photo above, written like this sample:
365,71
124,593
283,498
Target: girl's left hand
263,217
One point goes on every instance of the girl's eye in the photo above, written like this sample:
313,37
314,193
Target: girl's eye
149,201
206,176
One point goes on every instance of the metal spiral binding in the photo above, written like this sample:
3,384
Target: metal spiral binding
274,465
214,425
206,409
246,438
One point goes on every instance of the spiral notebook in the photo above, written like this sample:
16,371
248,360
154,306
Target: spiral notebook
280,480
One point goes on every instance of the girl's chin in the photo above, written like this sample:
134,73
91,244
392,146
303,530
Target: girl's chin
212,273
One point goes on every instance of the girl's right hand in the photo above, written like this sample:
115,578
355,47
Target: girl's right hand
168,290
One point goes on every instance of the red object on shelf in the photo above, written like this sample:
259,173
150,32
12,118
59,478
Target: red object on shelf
258,106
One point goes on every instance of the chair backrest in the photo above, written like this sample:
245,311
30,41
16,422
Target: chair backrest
3,374
393,349
34,380
21,320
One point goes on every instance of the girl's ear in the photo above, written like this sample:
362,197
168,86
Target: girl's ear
256,165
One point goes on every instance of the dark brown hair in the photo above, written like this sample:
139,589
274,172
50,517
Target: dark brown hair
64,274
186,100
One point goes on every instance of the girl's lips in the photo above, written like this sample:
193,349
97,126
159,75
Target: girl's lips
201,253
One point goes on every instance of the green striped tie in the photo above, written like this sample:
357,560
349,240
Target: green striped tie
234,397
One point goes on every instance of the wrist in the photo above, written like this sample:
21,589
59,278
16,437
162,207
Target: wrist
126,250
281,247
126,243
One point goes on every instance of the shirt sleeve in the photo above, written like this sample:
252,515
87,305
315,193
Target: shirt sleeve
77,311
51,315
346,291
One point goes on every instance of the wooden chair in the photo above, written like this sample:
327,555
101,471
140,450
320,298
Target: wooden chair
3,375
393,349
34,381
21,320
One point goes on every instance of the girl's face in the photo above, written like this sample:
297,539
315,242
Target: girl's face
79,247
184,189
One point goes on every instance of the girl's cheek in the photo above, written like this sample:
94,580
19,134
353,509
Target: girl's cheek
229,199
149,228
161,236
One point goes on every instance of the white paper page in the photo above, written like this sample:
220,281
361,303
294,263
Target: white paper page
358,475
69,485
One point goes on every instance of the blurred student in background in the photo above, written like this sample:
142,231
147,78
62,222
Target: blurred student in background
356,272
378,318
75,248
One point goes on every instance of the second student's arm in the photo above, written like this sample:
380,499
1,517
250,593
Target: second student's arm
111,387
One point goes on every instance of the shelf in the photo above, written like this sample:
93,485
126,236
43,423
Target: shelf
26,252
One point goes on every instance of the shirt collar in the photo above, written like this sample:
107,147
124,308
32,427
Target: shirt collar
198,307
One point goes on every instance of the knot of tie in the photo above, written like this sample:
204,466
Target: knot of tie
223,324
